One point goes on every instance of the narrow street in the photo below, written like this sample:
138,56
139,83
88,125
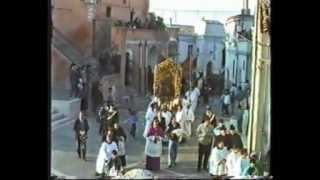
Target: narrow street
65,161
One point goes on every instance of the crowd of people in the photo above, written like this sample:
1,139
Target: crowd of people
220,148
79,80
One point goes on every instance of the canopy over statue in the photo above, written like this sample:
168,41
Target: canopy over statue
167,82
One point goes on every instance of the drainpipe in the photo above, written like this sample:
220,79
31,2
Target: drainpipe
250,133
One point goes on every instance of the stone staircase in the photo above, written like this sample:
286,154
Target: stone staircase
65,47
58,118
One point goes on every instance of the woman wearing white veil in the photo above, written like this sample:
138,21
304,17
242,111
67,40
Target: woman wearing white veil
151,113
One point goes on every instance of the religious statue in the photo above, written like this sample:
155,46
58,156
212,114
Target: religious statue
167,82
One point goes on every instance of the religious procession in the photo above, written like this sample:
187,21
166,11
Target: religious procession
170,121
137,97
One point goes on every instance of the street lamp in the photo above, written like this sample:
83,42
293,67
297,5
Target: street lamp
92,8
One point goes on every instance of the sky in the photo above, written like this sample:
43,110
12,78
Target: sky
231,8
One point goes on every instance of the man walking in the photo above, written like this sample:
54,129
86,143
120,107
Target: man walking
204,135
81,128
74,77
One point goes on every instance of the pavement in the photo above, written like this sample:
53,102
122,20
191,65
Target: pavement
65,161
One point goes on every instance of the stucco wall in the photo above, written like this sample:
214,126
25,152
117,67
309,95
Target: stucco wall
73,23
59,70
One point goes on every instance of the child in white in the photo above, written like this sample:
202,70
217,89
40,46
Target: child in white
106,153
232,162
217,160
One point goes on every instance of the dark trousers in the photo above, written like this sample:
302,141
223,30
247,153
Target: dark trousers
82,149
116,162
204,151
205,99
173,151
133,130
74,90
123,161
225,108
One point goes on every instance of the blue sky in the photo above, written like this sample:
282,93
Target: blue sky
193,19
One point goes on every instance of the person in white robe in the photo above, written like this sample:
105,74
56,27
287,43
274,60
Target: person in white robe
232,162
106,155
217,160
167,115
194,96
245,122
181,119
185,101
189,120
242,164
149,117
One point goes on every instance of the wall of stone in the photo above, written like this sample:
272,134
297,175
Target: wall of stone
59,70
73,23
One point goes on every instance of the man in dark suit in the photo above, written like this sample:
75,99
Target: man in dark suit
81,128
235,138
74,77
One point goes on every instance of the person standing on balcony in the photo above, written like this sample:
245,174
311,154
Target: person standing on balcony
74,78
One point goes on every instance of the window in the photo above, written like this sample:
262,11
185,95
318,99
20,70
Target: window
108,11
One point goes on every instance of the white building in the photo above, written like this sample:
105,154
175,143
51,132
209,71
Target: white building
238,48
208,47
211,46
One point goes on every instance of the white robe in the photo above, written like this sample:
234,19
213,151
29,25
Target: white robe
194,96
167,116
242,164
245,121
105,153
185,103
233,164
216,156
181,119
149,118
189,120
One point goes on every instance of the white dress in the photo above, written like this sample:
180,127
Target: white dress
105,153
216,156
181,119
149,118
189,120
167,116
194,96
233,164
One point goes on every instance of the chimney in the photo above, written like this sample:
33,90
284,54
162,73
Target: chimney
245,9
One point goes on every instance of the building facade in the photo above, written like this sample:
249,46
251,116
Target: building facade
211,46
259,137
104,35
207,48
238,48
